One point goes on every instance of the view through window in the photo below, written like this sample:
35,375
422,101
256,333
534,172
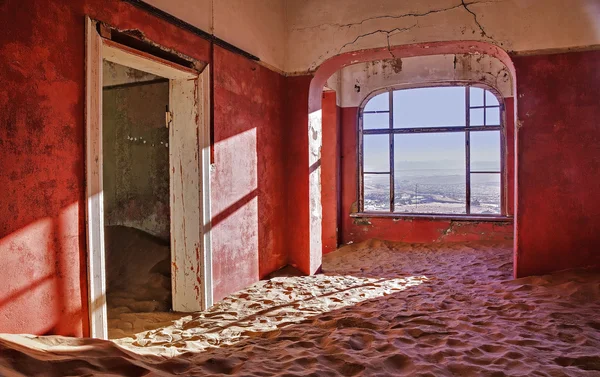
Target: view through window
434,150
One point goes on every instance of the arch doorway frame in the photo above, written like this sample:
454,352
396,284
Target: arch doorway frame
310,252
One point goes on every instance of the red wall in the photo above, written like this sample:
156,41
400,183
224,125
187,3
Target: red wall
407,230
559,162
248,185
296,171
43,277
260,181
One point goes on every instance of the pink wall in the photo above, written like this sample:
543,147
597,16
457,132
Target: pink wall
43,279
42,237
260,182
559,162
248,185
296,171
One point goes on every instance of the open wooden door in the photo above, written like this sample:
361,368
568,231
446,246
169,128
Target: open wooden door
189,261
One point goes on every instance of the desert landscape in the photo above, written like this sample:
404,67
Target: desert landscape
378,309
431,191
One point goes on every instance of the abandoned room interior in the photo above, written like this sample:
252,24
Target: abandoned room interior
300,188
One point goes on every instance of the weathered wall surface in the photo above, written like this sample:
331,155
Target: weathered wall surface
43,285
248,185
296,166
318,30
43,281
136,157
43,278
558,162
255,26
357,81
297,36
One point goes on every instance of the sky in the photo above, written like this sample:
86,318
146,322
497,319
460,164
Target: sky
431,107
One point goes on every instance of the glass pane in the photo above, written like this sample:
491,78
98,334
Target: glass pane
490,99
380,102
485,194
476,117
371,121
476,96
485,151
377,192
492,116
430,173
376,153
429,107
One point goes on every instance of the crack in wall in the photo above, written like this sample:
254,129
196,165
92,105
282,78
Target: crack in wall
348,25
388,33
483,33
462,4
388,46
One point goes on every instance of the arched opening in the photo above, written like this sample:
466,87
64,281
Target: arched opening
461,55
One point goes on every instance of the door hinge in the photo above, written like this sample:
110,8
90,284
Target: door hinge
168,117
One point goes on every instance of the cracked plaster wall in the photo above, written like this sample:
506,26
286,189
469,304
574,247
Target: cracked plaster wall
318,30
296,36
42,160
356,82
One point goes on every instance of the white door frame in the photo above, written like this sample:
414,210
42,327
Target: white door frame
189,150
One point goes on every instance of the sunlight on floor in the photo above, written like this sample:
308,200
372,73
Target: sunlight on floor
263,308
379,308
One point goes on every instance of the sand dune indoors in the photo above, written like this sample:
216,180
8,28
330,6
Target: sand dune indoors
379,309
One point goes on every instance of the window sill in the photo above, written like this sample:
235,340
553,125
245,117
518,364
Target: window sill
426,216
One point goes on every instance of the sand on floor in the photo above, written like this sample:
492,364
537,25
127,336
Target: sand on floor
379,309
138,277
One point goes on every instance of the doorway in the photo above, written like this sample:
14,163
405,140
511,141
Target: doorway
137,232
148,189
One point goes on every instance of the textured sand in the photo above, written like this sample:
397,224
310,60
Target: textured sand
138,275
380,309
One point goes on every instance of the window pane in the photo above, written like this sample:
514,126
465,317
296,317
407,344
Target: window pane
377,192
476,96
492,116
485,151
485,193
380,102
429,107
430,173
371,121
476,117
490,99
376,153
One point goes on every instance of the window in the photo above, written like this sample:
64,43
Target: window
432,151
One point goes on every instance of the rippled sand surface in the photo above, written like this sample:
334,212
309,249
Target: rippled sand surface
379,309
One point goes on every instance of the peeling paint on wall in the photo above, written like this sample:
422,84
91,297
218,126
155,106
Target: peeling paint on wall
318,30
419,71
